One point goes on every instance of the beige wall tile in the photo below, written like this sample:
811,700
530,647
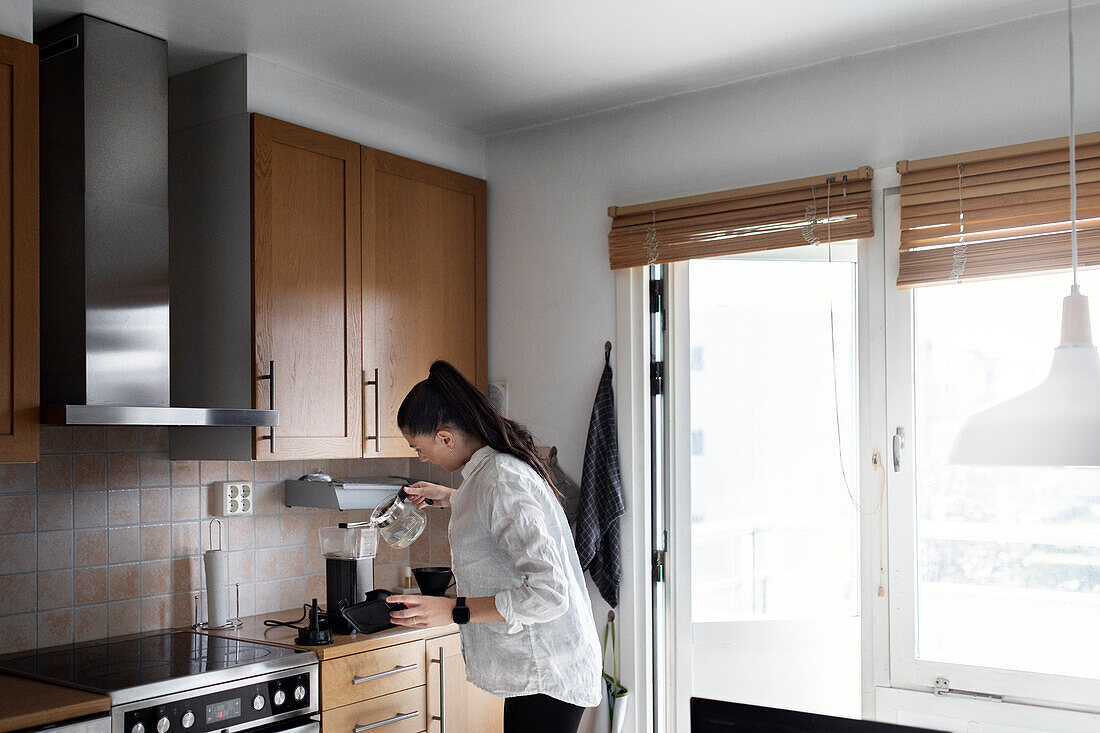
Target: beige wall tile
290,469
186,574
123,438
156,505
268,564
55,511
269,597
90,585
185,473
55,589
293,529
156,578
156,469
242,567
55,473
420,552
123,581
293,593
268,471
89,439
268,531
156,613
156,541
185,504
17,513
183,609
55,439
90,622
248,600
315,588
124,617
185,539
90,471
55,550
123,507
240,471
18,478
89,547
122,471
213,471
268,498
18,593
18,633
154,439
123,544
55,627
241,531
89,509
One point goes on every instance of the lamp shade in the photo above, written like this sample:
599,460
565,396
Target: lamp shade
1055,424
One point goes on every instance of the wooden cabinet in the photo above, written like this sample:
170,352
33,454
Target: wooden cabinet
454,704
424,284
18,250
306,290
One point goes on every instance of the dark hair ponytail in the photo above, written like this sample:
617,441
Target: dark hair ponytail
448,399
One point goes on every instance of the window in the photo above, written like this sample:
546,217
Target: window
1000,584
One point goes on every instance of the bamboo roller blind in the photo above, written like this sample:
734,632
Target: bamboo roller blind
773,216
1015,212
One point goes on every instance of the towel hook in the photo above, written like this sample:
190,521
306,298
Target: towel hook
607,351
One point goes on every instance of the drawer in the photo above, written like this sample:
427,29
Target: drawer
356,677
398,712
452,645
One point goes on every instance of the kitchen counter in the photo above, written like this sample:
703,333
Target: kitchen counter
28,703
342,644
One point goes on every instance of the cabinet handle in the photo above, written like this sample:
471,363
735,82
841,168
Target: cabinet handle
442,694
377,437
271,401
396,670
387,721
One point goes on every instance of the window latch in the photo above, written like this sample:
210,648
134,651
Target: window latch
899,446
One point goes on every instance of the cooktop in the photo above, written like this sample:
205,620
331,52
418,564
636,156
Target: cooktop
119,664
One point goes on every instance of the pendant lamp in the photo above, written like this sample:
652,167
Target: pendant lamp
1058,422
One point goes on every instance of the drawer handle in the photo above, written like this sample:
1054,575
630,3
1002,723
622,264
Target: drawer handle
442,693
387,721
387,673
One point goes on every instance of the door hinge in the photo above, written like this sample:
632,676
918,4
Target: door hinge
942,686
658,566
656,295
657,377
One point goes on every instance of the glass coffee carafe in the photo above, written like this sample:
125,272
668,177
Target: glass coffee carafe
398,520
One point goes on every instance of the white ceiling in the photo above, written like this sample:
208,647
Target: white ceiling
489,66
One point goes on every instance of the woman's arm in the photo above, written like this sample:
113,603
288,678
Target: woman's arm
421,490
427,611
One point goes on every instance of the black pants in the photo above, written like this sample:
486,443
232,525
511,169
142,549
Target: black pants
540,714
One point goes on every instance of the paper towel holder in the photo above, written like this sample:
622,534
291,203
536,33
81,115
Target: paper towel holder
232,623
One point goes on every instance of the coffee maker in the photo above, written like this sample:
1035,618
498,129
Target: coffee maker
349,551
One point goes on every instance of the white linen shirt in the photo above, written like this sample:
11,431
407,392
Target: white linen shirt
510,540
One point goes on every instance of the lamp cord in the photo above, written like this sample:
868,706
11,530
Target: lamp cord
1072,151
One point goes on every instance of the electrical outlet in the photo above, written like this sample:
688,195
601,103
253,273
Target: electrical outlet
231,498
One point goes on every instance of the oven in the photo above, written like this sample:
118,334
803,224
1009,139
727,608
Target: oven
186,682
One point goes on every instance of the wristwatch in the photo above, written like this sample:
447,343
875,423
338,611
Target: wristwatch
461,613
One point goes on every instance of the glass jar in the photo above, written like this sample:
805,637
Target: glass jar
398,520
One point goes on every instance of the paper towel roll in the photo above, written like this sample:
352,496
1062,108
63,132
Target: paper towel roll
217,587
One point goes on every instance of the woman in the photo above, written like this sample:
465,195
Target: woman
524,613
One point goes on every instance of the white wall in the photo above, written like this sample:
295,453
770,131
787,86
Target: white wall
17,19
551,294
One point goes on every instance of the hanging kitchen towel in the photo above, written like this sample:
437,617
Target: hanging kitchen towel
601,499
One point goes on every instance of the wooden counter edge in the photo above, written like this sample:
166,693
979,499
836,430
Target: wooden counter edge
253,629
23,700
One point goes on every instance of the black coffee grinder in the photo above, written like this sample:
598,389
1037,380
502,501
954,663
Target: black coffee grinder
349,551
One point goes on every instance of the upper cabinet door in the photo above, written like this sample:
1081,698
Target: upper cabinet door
19,398
424,284
306,279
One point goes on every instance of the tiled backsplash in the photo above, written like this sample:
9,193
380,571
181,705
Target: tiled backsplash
104,536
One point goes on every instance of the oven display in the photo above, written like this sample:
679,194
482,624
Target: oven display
224,710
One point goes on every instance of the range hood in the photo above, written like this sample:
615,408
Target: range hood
104,233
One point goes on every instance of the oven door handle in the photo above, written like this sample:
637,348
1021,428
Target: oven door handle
310,726
387,721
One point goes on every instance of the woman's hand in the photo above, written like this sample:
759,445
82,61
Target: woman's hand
422,612
421,490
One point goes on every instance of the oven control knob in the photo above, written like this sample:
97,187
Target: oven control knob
299,693
258,702
188,719
279,698
163,724
138,728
